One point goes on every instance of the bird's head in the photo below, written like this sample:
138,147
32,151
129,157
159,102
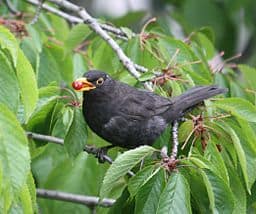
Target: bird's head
91,81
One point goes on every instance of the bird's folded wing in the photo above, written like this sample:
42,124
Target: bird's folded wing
143,105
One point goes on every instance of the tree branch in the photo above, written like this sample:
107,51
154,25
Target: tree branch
116,31
97,28
75,198
11,8
175,140
73,19
38,11
60,141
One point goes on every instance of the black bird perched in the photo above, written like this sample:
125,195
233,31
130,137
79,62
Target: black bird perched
129,117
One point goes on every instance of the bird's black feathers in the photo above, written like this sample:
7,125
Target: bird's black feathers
128,117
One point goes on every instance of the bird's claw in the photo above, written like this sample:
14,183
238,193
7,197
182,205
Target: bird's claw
100,153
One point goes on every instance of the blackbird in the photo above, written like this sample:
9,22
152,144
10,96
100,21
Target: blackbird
128,117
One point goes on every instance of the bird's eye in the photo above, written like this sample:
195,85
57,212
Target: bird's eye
100,81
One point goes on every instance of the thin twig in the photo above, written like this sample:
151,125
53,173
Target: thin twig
60,141
96,27
38,11
75,198
11,8
73,19
46,138
175,140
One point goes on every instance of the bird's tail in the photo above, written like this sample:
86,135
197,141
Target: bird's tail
195,96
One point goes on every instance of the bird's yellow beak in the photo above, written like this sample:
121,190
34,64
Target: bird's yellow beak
82,84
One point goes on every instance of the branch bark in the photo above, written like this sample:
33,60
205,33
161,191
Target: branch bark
100,29
60,141
90,201
175,140
73,19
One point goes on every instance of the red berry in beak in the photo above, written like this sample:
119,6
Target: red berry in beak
77,85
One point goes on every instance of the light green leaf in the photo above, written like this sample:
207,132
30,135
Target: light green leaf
26,201
8,41
248,74
175,197
76,137
79,66
238,107
27,83
14,153
9,89
122,165
77,34
49,70
185,130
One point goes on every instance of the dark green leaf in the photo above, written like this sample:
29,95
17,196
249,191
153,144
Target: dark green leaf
141,178
149,194
218,192
175,197
76,137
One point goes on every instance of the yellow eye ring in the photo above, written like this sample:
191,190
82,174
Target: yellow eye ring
100,81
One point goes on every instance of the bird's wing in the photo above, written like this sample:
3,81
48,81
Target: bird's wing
141,105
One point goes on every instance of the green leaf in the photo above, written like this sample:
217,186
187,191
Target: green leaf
148,195
238,107
32,190
14,153
239,192
9,89
175,197
77,34
79,66
214,156
247,140
60,33
185,130
8,41
83,176
27,83
42,113
218,193
240,153
48,68
198,192
248,74
141,178
76,137
122,165
26,200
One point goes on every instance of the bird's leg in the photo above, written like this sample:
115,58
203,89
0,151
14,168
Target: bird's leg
101,152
